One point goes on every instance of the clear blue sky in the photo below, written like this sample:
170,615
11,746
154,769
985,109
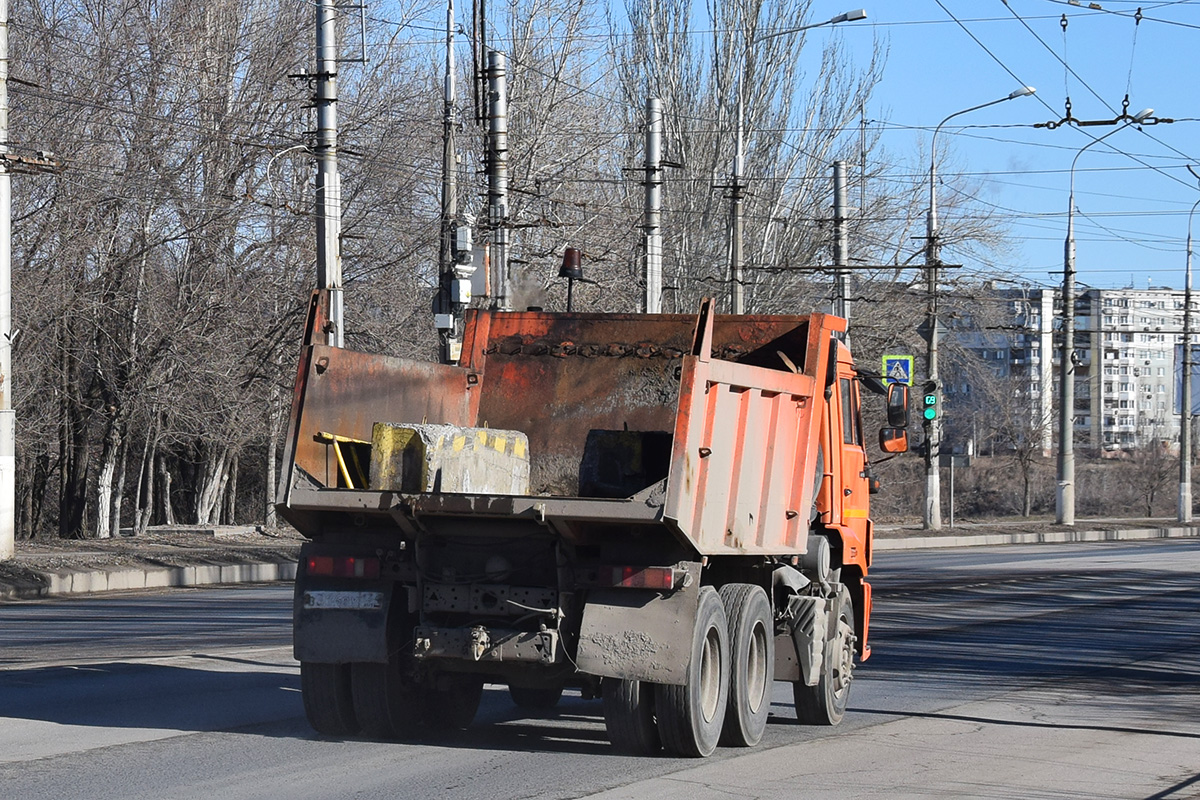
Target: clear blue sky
1132,206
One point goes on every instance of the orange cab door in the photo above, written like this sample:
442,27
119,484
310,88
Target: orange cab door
854,488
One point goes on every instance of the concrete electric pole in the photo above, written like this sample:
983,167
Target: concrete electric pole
329,190
841,242
8,435
653,222
497,172
933,384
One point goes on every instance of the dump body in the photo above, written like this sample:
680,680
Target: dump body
610,473
727,411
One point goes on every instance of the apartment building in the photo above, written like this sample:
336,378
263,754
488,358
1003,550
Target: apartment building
1125,362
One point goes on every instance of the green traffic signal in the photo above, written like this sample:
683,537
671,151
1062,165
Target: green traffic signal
930,405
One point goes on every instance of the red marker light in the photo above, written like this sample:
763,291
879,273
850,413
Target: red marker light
343,567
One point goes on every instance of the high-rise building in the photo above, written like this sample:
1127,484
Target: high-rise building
1125,362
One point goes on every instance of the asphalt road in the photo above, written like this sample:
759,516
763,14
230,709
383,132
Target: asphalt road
1017,672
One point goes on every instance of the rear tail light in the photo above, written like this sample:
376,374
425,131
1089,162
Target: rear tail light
644,577
343,567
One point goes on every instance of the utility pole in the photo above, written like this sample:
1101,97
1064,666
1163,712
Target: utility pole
1064,498
497,170
840,241
933,385
737,294
329,190
8,436
933,426
1185,395
9,164
454,254
653,225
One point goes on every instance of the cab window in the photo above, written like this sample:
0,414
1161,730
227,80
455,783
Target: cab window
850,430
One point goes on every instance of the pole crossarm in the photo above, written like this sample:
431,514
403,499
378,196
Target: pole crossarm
1090,123
30,164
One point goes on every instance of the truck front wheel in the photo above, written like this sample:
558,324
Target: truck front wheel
751,662
690,717
825,703
325,689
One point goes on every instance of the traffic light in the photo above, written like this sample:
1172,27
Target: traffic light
930,400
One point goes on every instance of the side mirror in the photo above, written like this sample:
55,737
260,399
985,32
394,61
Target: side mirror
897,405
893,440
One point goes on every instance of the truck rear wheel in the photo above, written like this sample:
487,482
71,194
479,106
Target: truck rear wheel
385,702
690,717
535,697
325,689
825,703
629,716
751,663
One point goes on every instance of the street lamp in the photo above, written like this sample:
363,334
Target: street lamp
1064,505
1185,396
737,297
933,489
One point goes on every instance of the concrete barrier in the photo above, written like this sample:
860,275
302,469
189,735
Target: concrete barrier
129,579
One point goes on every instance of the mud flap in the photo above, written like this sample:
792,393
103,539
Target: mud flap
638,634
334,625
809,622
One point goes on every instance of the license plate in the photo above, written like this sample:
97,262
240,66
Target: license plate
353,600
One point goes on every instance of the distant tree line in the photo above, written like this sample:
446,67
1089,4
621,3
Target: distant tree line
161,275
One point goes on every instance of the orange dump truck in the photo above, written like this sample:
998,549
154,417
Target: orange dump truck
668,511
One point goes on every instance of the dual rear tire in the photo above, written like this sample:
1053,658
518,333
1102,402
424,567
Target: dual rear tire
727,696
381,702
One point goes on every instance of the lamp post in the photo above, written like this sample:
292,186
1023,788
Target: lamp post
1064,505
933,426
737,186
1185,395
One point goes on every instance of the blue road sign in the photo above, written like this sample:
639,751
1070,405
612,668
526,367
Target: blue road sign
898,369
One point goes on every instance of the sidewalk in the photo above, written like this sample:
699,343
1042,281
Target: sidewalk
175,556
182,556
1029,531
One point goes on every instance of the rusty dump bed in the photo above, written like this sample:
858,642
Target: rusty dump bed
712,423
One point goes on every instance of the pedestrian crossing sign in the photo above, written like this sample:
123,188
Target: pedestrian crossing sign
898,369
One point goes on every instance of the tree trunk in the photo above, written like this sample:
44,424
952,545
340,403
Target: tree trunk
141,484
119,492
274,426
146,509
72,503
1027,498
164,474
231,490
208,492
104,481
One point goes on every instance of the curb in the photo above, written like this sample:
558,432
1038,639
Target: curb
125,579
1043,537
53,584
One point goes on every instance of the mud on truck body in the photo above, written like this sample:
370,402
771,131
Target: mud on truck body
668,511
